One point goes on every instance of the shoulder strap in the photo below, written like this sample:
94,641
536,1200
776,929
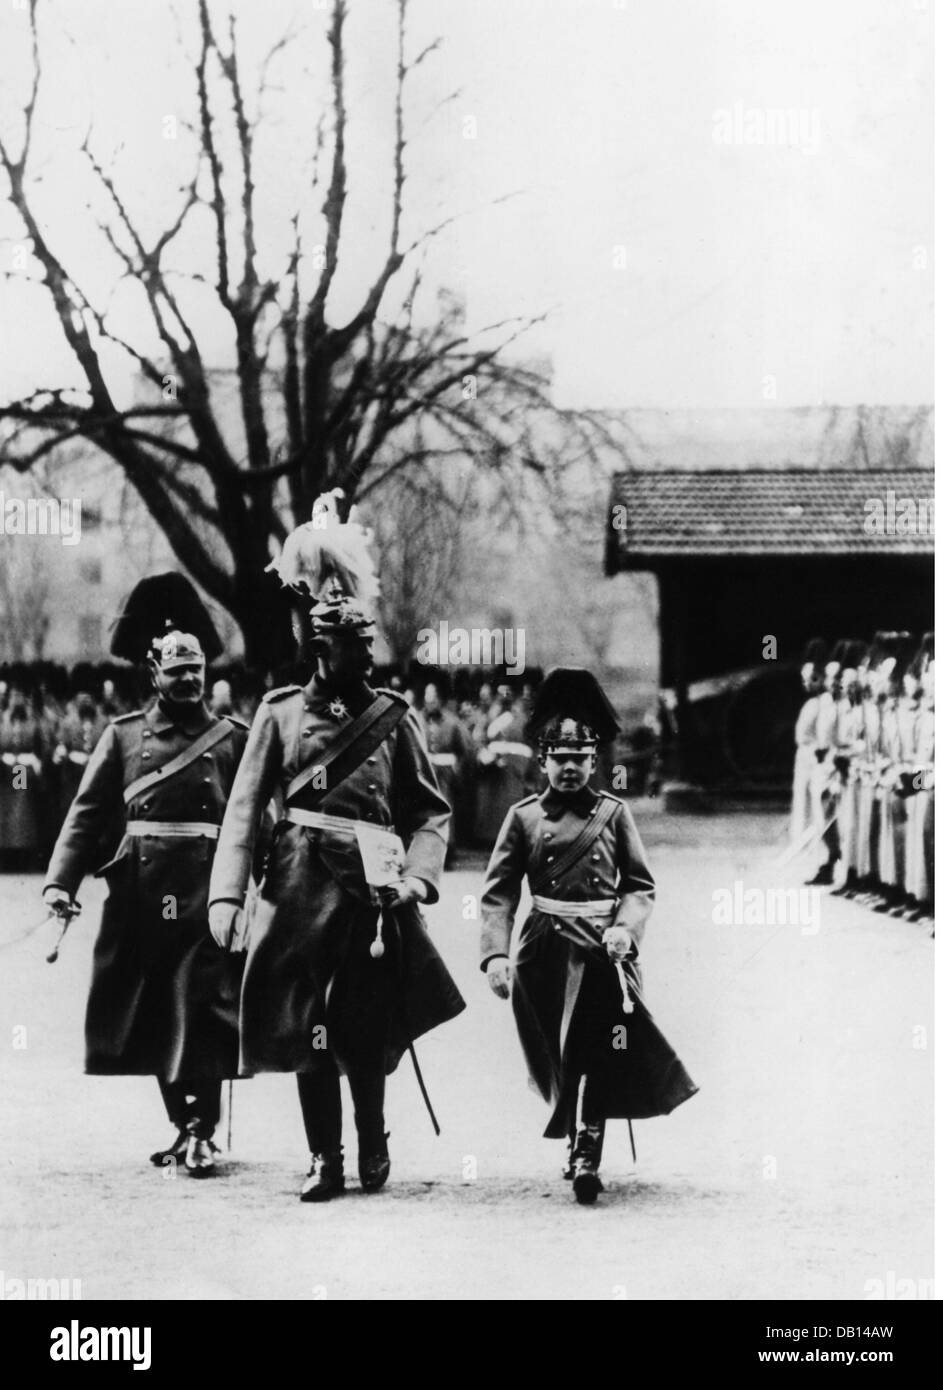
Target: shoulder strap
203,744
601,816
353,744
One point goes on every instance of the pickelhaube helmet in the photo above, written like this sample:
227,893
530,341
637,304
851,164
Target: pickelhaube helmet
572,713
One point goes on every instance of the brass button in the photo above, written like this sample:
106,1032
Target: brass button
371,760
554,882
207,756
595,856
207,779
144,859
371,786
145,754
547,835
147,733
550,858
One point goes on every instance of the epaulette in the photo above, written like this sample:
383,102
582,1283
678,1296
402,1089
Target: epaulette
527,800
394,694
125,718
281,693
239,723
609,797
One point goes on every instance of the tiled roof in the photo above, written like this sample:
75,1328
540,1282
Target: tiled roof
674,513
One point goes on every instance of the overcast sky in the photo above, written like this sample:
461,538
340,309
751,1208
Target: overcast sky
722,202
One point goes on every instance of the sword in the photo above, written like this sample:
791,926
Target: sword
391,912
809,838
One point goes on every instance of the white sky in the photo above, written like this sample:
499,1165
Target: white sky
743,262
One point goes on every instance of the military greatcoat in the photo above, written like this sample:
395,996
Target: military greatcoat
565,992
312,991
164,997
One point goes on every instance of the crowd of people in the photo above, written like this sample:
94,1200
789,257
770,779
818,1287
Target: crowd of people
863,789
52,718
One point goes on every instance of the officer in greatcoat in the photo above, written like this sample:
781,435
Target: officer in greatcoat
341,975
571,968
163,999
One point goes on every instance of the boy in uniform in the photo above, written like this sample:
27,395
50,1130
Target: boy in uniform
571,968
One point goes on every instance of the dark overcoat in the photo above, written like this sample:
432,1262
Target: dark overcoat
312,991
565,992
164,997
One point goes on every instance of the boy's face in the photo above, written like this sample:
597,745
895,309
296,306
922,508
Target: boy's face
569,772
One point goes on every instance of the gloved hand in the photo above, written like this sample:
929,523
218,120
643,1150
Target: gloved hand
618,942
403,892
57,899
498,972
223,922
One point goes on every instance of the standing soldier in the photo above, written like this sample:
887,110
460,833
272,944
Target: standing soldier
341,975
449,753
163,999
592,1048
813,683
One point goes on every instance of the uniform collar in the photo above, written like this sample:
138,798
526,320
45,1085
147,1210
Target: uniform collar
160,720
581,804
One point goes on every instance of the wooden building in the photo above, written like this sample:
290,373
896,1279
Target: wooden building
750,563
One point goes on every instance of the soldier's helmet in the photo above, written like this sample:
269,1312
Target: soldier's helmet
175,649
329,560
571,714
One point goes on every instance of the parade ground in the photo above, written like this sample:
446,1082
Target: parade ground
801,1170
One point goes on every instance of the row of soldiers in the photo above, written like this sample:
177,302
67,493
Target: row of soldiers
477,746
863,789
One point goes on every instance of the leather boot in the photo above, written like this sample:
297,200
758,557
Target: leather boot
325,1177
176,1151
373,1163
567,1170
587,1152
199,1160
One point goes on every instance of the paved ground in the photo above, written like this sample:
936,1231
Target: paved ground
803,1169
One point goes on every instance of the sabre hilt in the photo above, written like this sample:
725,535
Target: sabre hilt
65,911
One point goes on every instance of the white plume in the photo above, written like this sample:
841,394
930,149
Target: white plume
325,547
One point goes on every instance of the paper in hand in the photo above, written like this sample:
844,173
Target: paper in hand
382,854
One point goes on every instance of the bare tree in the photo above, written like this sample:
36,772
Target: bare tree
25,614
322,404
417,529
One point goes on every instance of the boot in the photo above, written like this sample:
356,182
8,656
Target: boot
325,1177
373,1164
567,1169
823,877
587,1151
199,1160
176,1151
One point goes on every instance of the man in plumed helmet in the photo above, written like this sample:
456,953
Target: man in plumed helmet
571,968
341,975
163,999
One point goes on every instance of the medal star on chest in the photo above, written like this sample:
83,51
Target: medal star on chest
337,710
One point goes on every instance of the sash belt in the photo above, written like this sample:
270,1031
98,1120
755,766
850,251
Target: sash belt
320,820
192,828
598,907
